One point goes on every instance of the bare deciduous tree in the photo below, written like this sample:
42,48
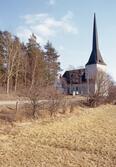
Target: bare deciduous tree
102,85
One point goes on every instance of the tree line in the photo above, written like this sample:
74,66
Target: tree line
26,65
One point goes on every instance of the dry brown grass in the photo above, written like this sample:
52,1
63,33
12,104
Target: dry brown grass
87,139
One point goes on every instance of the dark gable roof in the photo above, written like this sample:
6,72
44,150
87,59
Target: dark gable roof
95,57
75,76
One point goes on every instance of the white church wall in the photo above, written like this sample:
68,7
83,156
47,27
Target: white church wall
101,67
91,70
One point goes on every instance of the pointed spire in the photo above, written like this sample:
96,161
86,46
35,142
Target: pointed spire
95,35
95,57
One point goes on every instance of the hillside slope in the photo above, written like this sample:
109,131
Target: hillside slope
83,139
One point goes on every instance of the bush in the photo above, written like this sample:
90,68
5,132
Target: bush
112,95
55,100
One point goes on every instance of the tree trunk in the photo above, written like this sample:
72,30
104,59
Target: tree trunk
16,79
33,74
25,79
8,85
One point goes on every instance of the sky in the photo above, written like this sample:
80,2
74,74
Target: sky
68,24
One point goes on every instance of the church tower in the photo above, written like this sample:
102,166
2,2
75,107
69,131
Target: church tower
95,62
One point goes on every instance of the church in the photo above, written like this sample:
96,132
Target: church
81,81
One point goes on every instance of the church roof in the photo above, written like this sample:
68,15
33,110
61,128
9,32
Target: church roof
76,76
95,57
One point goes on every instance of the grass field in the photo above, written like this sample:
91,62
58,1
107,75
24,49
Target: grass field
85,138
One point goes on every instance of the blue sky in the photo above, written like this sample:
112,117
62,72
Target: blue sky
67,24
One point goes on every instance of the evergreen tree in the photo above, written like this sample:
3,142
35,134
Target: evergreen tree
52,64
26,65
36,62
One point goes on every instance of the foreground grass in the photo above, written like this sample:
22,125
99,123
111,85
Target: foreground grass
86,139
